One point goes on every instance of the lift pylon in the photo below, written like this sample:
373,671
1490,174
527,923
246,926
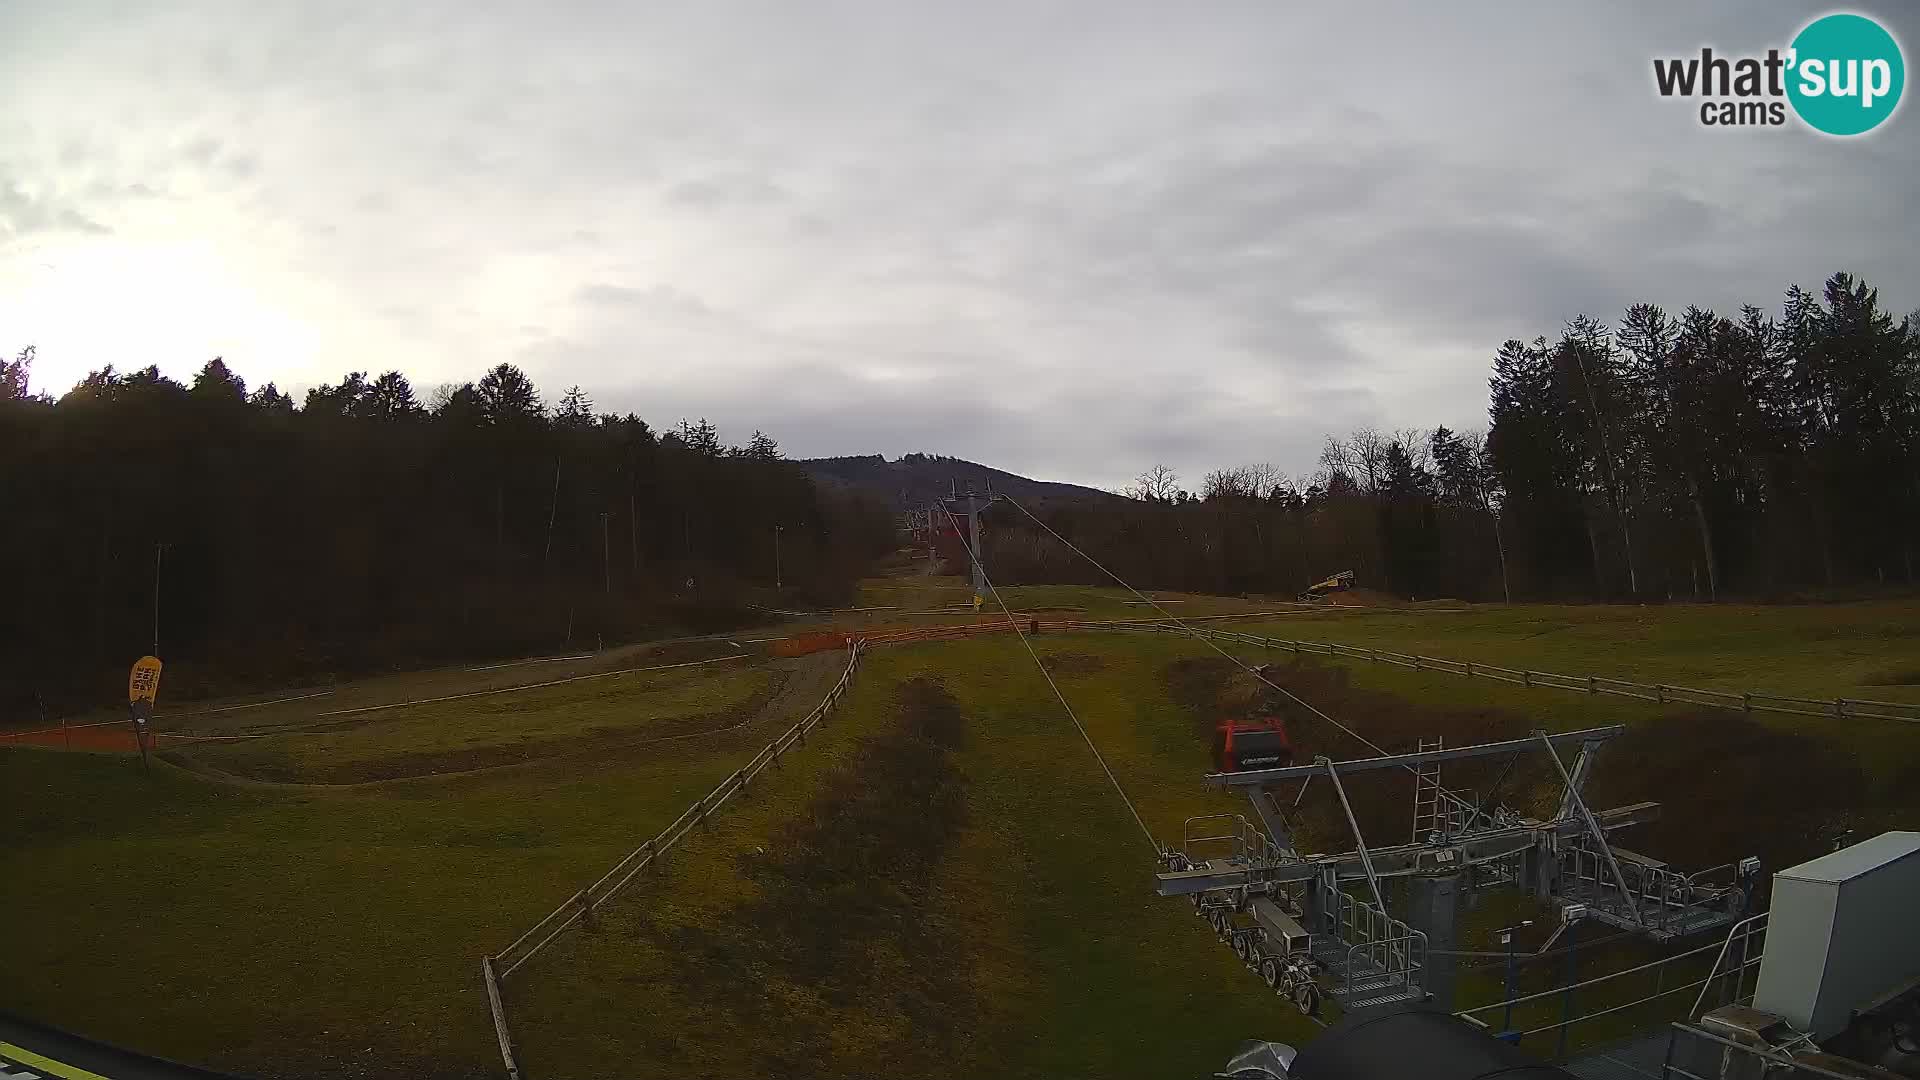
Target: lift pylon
1359,952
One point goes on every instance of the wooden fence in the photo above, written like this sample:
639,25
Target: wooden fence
580,907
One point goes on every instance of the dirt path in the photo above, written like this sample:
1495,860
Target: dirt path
802,682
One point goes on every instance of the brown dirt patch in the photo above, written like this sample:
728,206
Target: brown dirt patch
1729,787
1363,598
1894,677
117,737
812,641
1073,665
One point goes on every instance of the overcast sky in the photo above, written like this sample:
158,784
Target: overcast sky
1069,240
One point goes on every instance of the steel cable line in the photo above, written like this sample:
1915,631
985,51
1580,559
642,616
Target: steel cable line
1047,675
1197,636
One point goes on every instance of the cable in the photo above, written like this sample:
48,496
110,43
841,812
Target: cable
1047,675
1175,619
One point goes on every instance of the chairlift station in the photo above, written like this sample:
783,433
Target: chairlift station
1313,925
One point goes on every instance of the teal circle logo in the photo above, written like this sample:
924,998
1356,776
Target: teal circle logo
1846,74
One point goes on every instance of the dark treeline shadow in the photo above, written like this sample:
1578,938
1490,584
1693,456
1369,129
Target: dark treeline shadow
367,530
1758,456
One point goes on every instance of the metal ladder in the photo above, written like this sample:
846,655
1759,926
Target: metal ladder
1426,792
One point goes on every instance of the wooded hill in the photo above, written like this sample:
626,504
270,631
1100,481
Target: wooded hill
915,481
363,529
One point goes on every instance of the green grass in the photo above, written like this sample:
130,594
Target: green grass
932,594
1819,652
477,732
1076,966
303,933
298,932
1829,651
300,706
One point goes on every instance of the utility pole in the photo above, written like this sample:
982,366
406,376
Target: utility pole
157,549
776,558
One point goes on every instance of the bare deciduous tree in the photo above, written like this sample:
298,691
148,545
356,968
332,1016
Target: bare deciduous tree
1158,484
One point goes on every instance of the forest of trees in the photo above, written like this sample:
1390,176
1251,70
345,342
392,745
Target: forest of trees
1761,456
1758,456
365,529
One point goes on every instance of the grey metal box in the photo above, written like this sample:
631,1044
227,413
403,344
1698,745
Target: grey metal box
1844,928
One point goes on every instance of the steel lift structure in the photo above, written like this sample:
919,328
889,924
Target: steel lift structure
1320,925
970,506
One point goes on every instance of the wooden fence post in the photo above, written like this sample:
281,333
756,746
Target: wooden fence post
1592,686
499,1018
1526,678
1746,703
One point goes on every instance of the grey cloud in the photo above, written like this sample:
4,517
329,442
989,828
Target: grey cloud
653,300
1064,239
22,215
201,150
726,189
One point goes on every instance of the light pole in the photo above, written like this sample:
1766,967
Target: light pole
776,557
1506,938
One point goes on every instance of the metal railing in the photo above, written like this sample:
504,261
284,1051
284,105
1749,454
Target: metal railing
1391,948
1660,895
1747,959
1243,842
581,906
1743,931
1693,1053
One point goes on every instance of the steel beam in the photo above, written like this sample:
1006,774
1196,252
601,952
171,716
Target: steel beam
1258,777
1593,826
1398,861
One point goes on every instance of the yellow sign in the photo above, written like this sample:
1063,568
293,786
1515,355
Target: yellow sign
977,601
143,682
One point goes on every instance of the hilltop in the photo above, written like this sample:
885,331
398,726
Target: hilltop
918,479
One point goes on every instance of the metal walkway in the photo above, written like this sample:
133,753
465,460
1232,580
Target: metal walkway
1638,1057
1357,982
32,1051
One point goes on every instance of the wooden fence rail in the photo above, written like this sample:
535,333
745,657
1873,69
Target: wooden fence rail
581,906
1752,701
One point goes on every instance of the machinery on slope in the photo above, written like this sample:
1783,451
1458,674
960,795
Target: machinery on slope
1339,582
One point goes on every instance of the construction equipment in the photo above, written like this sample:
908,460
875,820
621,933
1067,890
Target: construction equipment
1339,582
